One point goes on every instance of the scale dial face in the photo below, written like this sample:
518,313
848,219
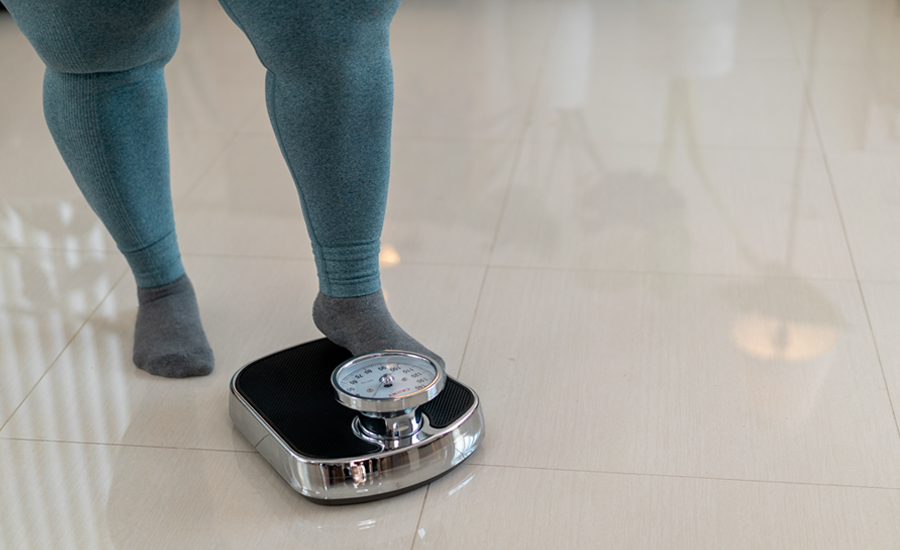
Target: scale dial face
387,381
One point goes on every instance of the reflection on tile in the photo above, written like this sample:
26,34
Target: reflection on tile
523,508
466,69
757,105
675,65
843,31
44,298
94,392
250,309
681,375
52,224
849,51
857,108
883,305
710,29
59,495
867,190
576,204
763,31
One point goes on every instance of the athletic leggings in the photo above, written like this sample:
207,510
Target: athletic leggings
329,92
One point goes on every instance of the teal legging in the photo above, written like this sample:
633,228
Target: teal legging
329,91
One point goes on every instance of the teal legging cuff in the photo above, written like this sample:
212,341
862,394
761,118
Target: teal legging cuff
349,270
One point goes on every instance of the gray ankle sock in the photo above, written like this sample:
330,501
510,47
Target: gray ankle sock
168,336
363,324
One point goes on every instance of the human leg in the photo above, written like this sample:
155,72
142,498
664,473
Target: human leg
329,90
105,105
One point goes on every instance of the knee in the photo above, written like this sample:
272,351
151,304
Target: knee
329,38
102,37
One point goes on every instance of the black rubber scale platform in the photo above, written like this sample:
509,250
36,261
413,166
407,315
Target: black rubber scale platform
292,391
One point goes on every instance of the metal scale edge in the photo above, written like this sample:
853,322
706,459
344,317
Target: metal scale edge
404,466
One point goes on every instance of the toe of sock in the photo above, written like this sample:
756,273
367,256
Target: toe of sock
177,365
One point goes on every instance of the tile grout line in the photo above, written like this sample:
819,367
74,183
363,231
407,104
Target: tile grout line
262,104
62,351
126,445
475,265
475,465
887,387
611,143
808,79
421,513
704,478
207,170
754,276
410,138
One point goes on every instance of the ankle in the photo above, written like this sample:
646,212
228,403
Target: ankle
151,294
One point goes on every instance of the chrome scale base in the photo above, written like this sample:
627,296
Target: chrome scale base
284,405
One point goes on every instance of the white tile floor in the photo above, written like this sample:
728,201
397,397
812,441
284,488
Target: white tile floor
657,237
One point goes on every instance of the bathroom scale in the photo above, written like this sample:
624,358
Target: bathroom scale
341,429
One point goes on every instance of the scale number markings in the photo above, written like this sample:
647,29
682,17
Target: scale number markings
368,380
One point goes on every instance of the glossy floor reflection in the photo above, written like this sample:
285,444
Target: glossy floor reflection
657,237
